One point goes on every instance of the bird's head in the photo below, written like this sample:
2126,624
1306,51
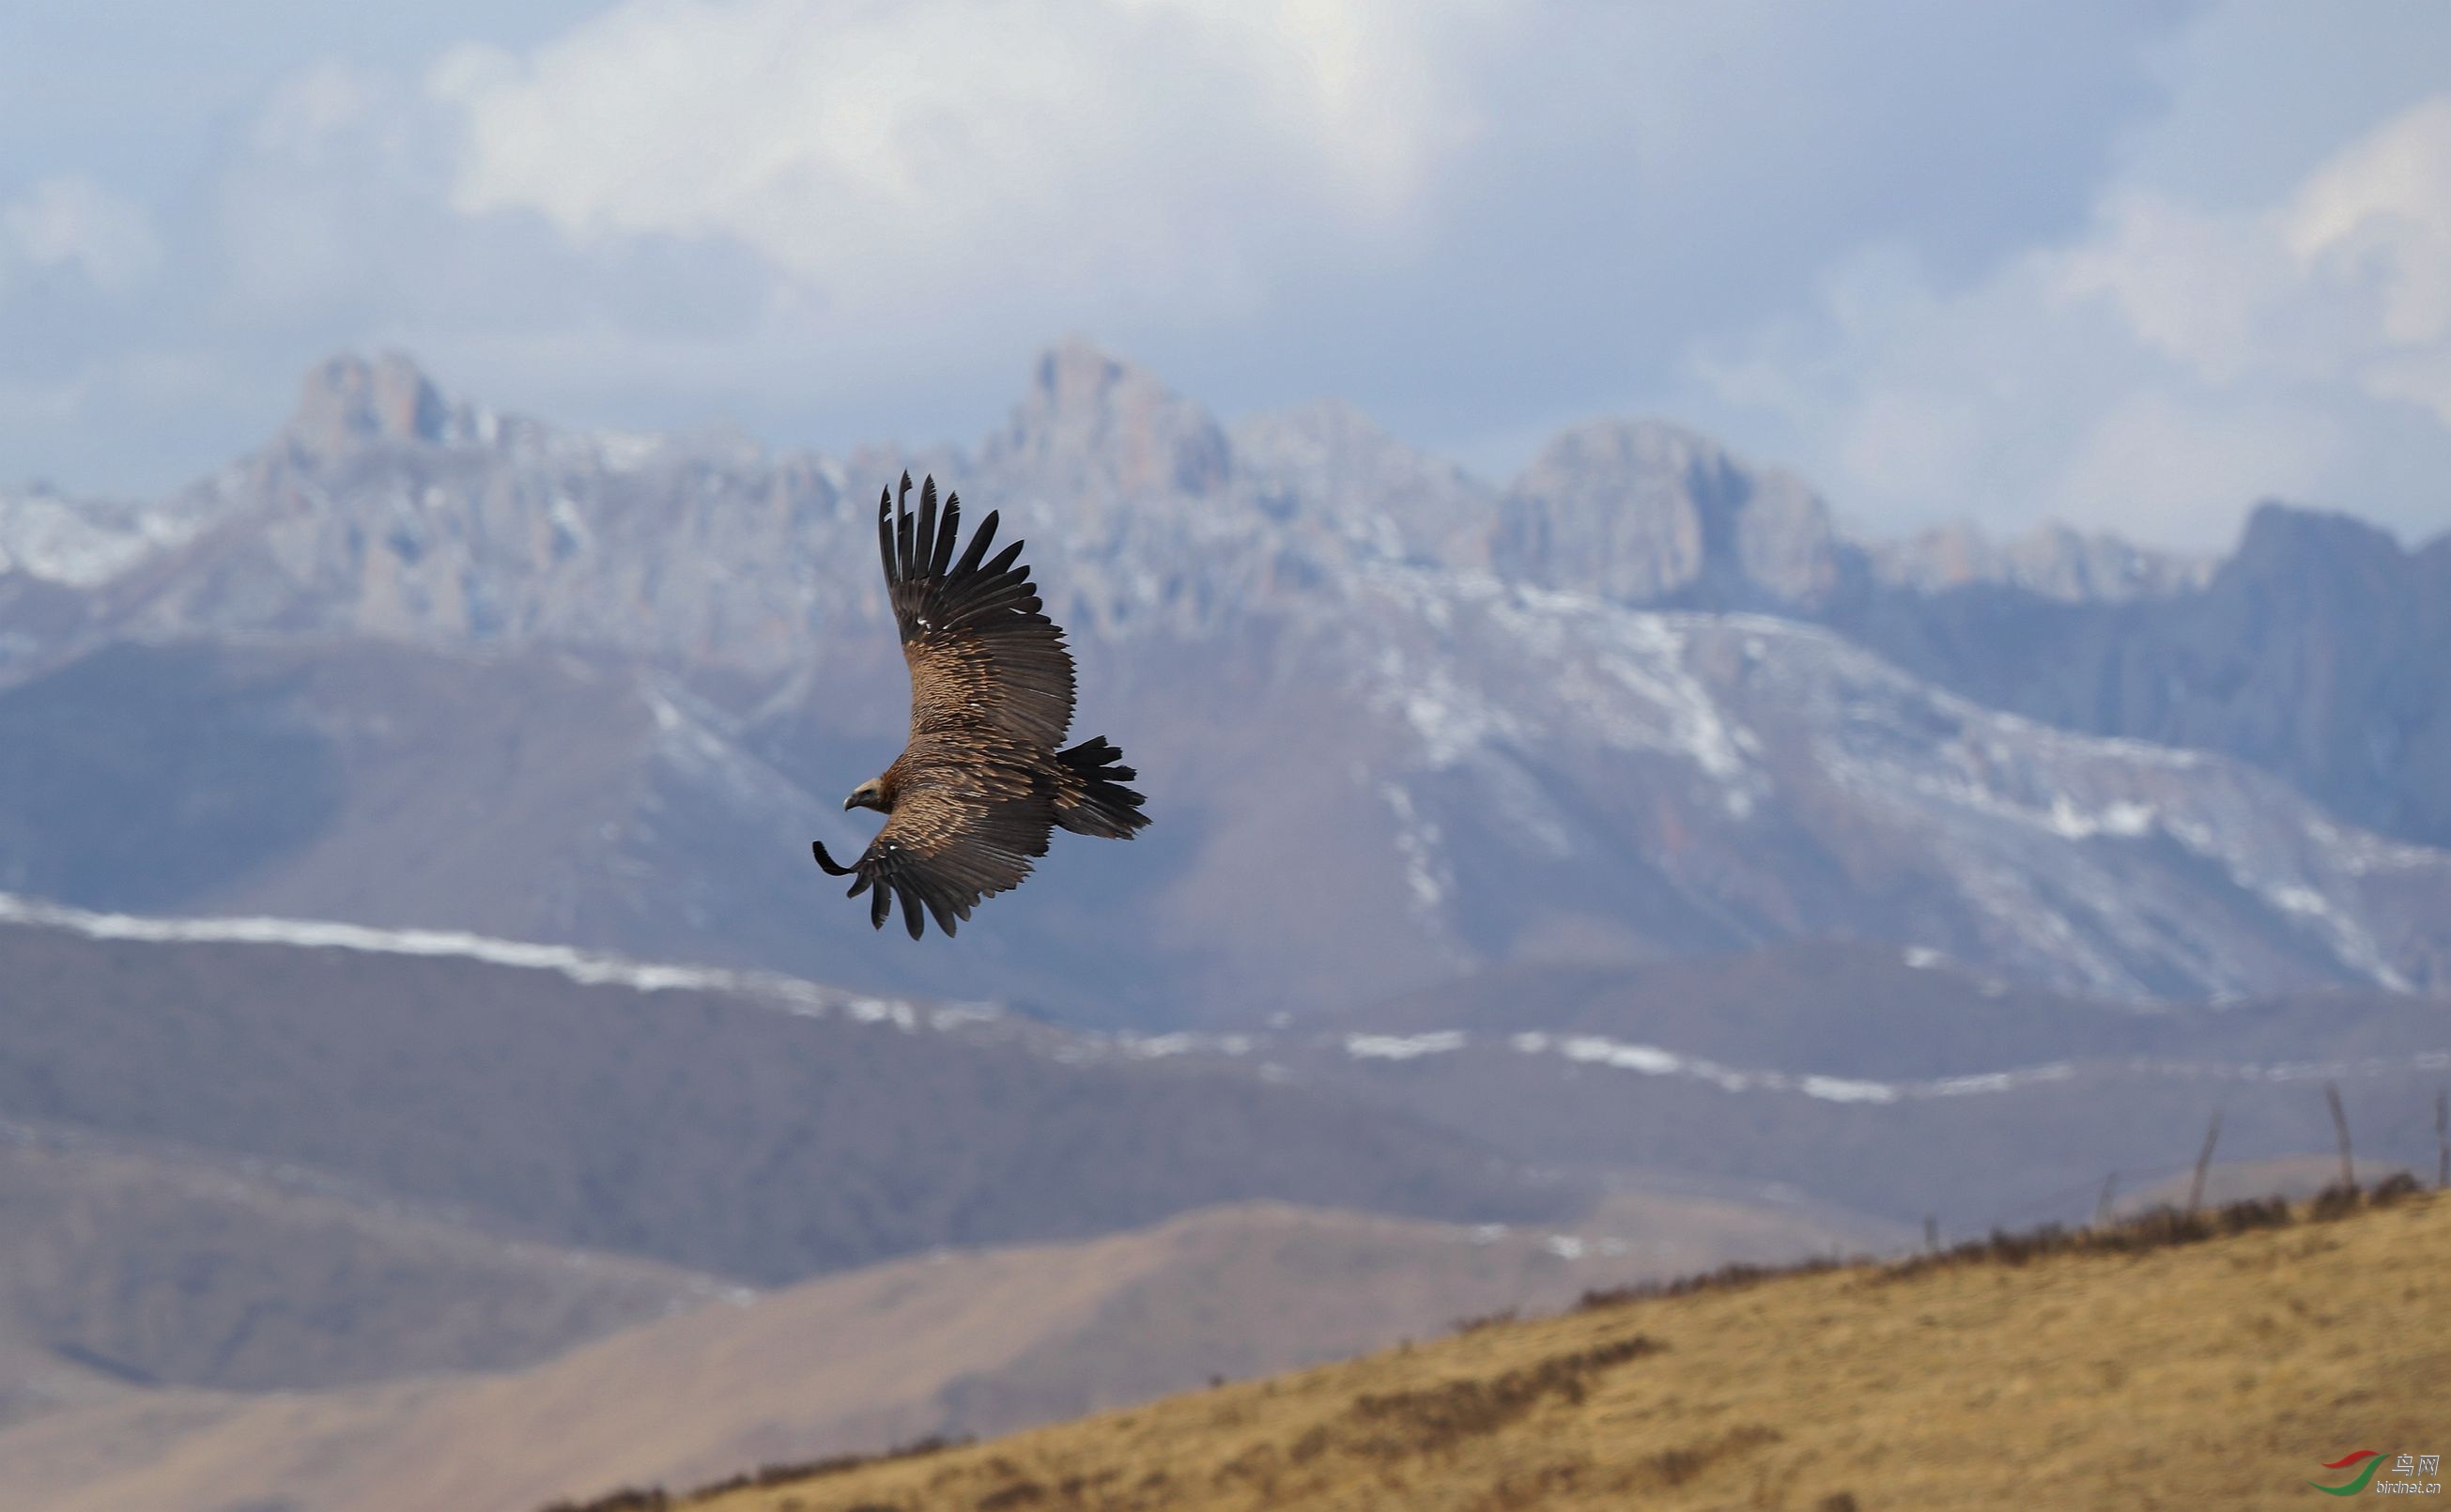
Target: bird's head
869,794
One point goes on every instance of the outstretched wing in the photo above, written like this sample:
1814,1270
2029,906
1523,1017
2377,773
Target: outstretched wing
981,655
949,844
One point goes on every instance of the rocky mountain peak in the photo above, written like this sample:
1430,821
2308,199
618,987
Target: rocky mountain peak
1091,422
348,403
2280,538
1641,511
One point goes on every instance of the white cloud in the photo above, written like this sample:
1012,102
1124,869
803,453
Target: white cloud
2195,287
829,219
2349,275
2375,224
69,221
332,197
954,153
332,115
836,218
2156,375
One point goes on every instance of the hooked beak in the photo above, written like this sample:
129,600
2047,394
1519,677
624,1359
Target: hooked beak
851,803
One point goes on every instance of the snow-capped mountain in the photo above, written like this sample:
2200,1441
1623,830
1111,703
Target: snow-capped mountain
1402,724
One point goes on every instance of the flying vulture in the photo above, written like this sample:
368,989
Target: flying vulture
980,785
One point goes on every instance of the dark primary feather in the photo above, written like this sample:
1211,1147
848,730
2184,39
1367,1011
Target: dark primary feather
978,647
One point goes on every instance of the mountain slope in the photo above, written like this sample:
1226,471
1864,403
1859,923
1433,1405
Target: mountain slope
536,795
2227,1371
760,1129
1727,780
2314,651
1888,1083
1671,782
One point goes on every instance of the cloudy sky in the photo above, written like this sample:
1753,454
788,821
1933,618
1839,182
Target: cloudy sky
2125,264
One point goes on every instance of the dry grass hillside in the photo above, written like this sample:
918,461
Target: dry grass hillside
979,1341
2111,1370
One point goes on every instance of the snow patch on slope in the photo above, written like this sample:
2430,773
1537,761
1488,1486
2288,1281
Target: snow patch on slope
81,543
585,966
1402,1047
1427,873
2036,822
1480,670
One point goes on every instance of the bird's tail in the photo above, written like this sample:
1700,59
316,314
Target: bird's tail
1090,797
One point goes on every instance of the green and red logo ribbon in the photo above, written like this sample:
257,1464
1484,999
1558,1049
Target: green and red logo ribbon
2351,1488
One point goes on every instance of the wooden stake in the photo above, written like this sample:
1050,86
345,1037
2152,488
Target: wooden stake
2341,1126
2441,1139
2203,1163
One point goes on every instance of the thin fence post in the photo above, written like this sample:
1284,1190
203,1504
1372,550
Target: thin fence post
2203,1163
2441,1138
2102,1205
2341,1126
1930,1234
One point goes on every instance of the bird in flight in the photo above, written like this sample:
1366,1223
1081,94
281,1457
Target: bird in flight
980,786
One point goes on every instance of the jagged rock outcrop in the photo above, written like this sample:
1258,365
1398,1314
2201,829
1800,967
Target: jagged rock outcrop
2051,561
1646,513
1099,426
348,403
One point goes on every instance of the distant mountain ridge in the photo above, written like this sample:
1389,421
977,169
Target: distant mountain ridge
385,505
1643,511
759,1130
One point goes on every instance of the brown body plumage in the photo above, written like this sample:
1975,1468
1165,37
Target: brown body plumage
980,786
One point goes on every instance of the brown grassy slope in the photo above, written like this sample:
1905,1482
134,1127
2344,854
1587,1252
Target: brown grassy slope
979,1341
2219,1374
